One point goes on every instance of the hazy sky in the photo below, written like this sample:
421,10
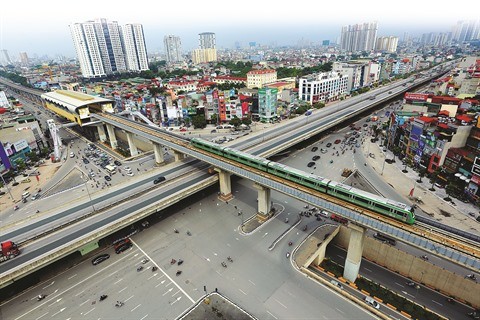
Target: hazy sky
41,27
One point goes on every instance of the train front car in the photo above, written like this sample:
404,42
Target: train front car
396,210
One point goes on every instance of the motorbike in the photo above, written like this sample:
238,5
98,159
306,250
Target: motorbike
224,264
103,297
173,261
154,269
331,161
290,243
119,304
229,259
288,254
411,284
145,261
188,233
305,228
140,268
16,208
450,300
286,220
178,273
425,257
180,261
175,230
41,297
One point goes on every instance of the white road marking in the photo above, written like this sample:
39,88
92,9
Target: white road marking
118,281
339,256
252,282
169,290
281,304
178,299
42,315
215,254
265,235
206,259
111,274
340,311
237,239
89,311
49,285
169,284
79,293
437,303
135,308
81,304
242,291
228,245
398,284
173,295
158,285
144,317
51,304
72,276
122,289
368,269
153,276
271,314
61,310
218,272
128,298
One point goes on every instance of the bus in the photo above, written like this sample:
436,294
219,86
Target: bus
384,238
110,169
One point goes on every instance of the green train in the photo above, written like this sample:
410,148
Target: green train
381,205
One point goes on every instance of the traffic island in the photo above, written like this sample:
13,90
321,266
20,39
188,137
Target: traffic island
256,221
216,306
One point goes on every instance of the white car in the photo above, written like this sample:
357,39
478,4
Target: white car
130,173
72,154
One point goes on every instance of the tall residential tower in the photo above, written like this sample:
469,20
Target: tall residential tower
173,48
102,48
359,37
207,48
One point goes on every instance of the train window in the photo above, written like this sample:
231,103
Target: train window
362,200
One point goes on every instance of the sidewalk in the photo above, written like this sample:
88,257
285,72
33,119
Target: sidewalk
433,203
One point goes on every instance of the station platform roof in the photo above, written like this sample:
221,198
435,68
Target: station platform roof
73,99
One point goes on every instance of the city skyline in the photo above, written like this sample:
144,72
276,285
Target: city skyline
42,28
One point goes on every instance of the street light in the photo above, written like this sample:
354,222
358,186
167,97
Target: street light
88,191
263,133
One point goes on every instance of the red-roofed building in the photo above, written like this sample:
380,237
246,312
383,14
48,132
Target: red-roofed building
257,78
186,86
230,79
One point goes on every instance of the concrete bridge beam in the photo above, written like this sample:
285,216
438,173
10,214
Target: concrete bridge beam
354,253
111,135
264,200
131,144
158,151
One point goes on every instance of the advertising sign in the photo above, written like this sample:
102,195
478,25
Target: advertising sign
416,96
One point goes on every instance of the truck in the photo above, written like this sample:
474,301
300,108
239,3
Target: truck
9,251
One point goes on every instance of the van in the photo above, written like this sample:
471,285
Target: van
336,284
25,195
372,302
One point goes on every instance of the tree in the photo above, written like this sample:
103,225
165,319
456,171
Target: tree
247,121
318,105
32,156
199,121
235,122
214,118
20,164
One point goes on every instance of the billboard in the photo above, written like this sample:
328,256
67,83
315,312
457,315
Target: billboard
416,96
4,161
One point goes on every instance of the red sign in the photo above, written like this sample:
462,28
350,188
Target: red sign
416,96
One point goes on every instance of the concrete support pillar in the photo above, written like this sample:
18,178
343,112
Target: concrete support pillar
101,133
264,202
158,151
225,185
178,155
131,144
111,135
354,253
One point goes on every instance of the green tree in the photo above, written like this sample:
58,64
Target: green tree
214,118
318,105
199,121
247,121
32,156
236,122
20,164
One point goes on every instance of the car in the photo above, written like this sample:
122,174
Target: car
365,124
357,145
329,145
183,129
117,163
337,141
123,247
108,178
92,174
100,258
389,92
159,179
310,164
85,160
315,158
324,213
323,150
372,302
36,196
314,149
72,154
337,284
127,168
130,173
439,185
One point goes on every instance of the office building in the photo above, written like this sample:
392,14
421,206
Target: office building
322,87
359,37
4,58
173,48
24,59
103,48
207,40
257,78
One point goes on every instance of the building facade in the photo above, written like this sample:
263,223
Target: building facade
387,44
173,48
322,87
207,50
358,37
258,78
267,104
104,48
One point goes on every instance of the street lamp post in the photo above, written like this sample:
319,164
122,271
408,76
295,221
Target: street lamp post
88,191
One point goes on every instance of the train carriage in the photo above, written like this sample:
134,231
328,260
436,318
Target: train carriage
298,176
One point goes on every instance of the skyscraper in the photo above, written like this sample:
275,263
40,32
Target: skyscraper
134,47
173,48
102,48
388,44
207,50
4,58
359,37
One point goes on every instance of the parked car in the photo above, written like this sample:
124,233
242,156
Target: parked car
108,178
329,145
36,196
315,158
310,164
337,141
100,258
117,163
323,150
123,247
85,160
72,154
314,149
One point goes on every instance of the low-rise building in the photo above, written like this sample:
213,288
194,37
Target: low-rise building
322,87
